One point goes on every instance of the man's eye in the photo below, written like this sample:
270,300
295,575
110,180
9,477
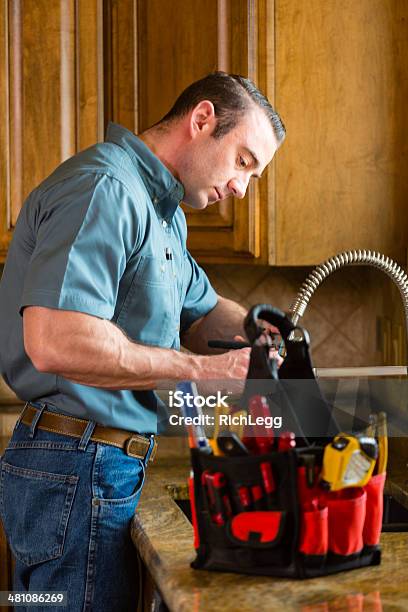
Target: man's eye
242,162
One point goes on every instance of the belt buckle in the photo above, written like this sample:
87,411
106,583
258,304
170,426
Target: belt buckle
128,448
136,440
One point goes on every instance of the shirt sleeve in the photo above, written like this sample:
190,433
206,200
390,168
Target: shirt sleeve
85,229
200,296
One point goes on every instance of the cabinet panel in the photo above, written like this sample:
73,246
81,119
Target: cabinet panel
180,42
51,93
341,86
120,63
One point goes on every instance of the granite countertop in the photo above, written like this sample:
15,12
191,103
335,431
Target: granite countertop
164,538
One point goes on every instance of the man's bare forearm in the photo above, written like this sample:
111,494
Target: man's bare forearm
224,322
95,352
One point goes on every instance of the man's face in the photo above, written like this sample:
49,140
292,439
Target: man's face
213,169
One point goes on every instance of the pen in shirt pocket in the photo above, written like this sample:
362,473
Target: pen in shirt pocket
168,253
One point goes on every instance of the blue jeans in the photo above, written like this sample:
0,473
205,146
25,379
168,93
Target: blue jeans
66,508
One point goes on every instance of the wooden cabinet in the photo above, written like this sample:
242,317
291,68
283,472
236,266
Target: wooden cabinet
341,85
335,72
51,93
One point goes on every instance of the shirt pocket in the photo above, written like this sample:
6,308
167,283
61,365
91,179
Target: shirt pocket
149,311
26,495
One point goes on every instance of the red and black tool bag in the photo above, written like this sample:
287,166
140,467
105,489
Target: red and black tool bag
299,531
296,528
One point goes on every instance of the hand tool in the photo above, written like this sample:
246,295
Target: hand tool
257,497
245,498
218,496
382,443
228,344
371,427
268,483
218,413
286,441
309,461
237,425
259,411
196,433
348,461
231,445
216,517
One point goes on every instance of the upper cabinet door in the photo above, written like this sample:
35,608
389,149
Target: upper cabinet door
342,88
51,93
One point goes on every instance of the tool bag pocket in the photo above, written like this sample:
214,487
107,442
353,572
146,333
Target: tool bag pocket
238,526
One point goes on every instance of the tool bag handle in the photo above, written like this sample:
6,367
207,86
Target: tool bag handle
271,315
307,405
263,368
297,363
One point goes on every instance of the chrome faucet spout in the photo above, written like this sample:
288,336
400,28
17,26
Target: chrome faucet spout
350,258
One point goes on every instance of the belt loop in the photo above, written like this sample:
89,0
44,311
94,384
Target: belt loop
20,416
35,420
89,429
149,450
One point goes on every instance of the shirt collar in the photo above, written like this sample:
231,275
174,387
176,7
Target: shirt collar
164,189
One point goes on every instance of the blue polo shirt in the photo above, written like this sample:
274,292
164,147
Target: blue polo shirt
104,235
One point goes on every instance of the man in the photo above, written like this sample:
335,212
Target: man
97,290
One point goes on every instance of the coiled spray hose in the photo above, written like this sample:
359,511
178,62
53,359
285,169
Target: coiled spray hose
350,258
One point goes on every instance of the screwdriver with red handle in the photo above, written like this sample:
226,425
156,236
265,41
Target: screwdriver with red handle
286,441
268,483
215,484
259,410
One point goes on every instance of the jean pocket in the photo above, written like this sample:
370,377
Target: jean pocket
35,508
118,478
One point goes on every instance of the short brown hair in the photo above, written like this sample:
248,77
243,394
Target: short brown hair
231,95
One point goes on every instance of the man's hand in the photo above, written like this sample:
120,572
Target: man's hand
273,353
232,365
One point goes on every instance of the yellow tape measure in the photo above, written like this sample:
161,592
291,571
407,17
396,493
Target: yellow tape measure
348,461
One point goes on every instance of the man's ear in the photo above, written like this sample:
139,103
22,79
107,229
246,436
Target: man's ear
202,118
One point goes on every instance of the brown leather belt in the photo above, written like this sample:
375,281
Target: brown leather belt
132,443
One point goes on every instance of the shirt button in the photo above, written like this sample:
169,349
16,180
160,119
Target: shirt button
162,268
174,274
155,200
164,223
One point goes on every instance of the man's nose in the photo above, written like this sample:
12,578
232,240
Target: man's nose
238,188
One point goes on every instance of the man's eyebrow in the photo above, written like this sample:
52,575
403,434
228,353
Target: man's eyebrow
254,159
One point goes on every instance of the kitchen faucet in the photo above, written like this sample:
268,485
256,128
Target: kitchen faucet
350,258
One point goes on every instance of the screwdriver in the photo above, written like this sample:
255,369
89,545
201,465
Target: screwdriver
218,497
382,443
259,410
268,483
244,498
286,441
196,433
